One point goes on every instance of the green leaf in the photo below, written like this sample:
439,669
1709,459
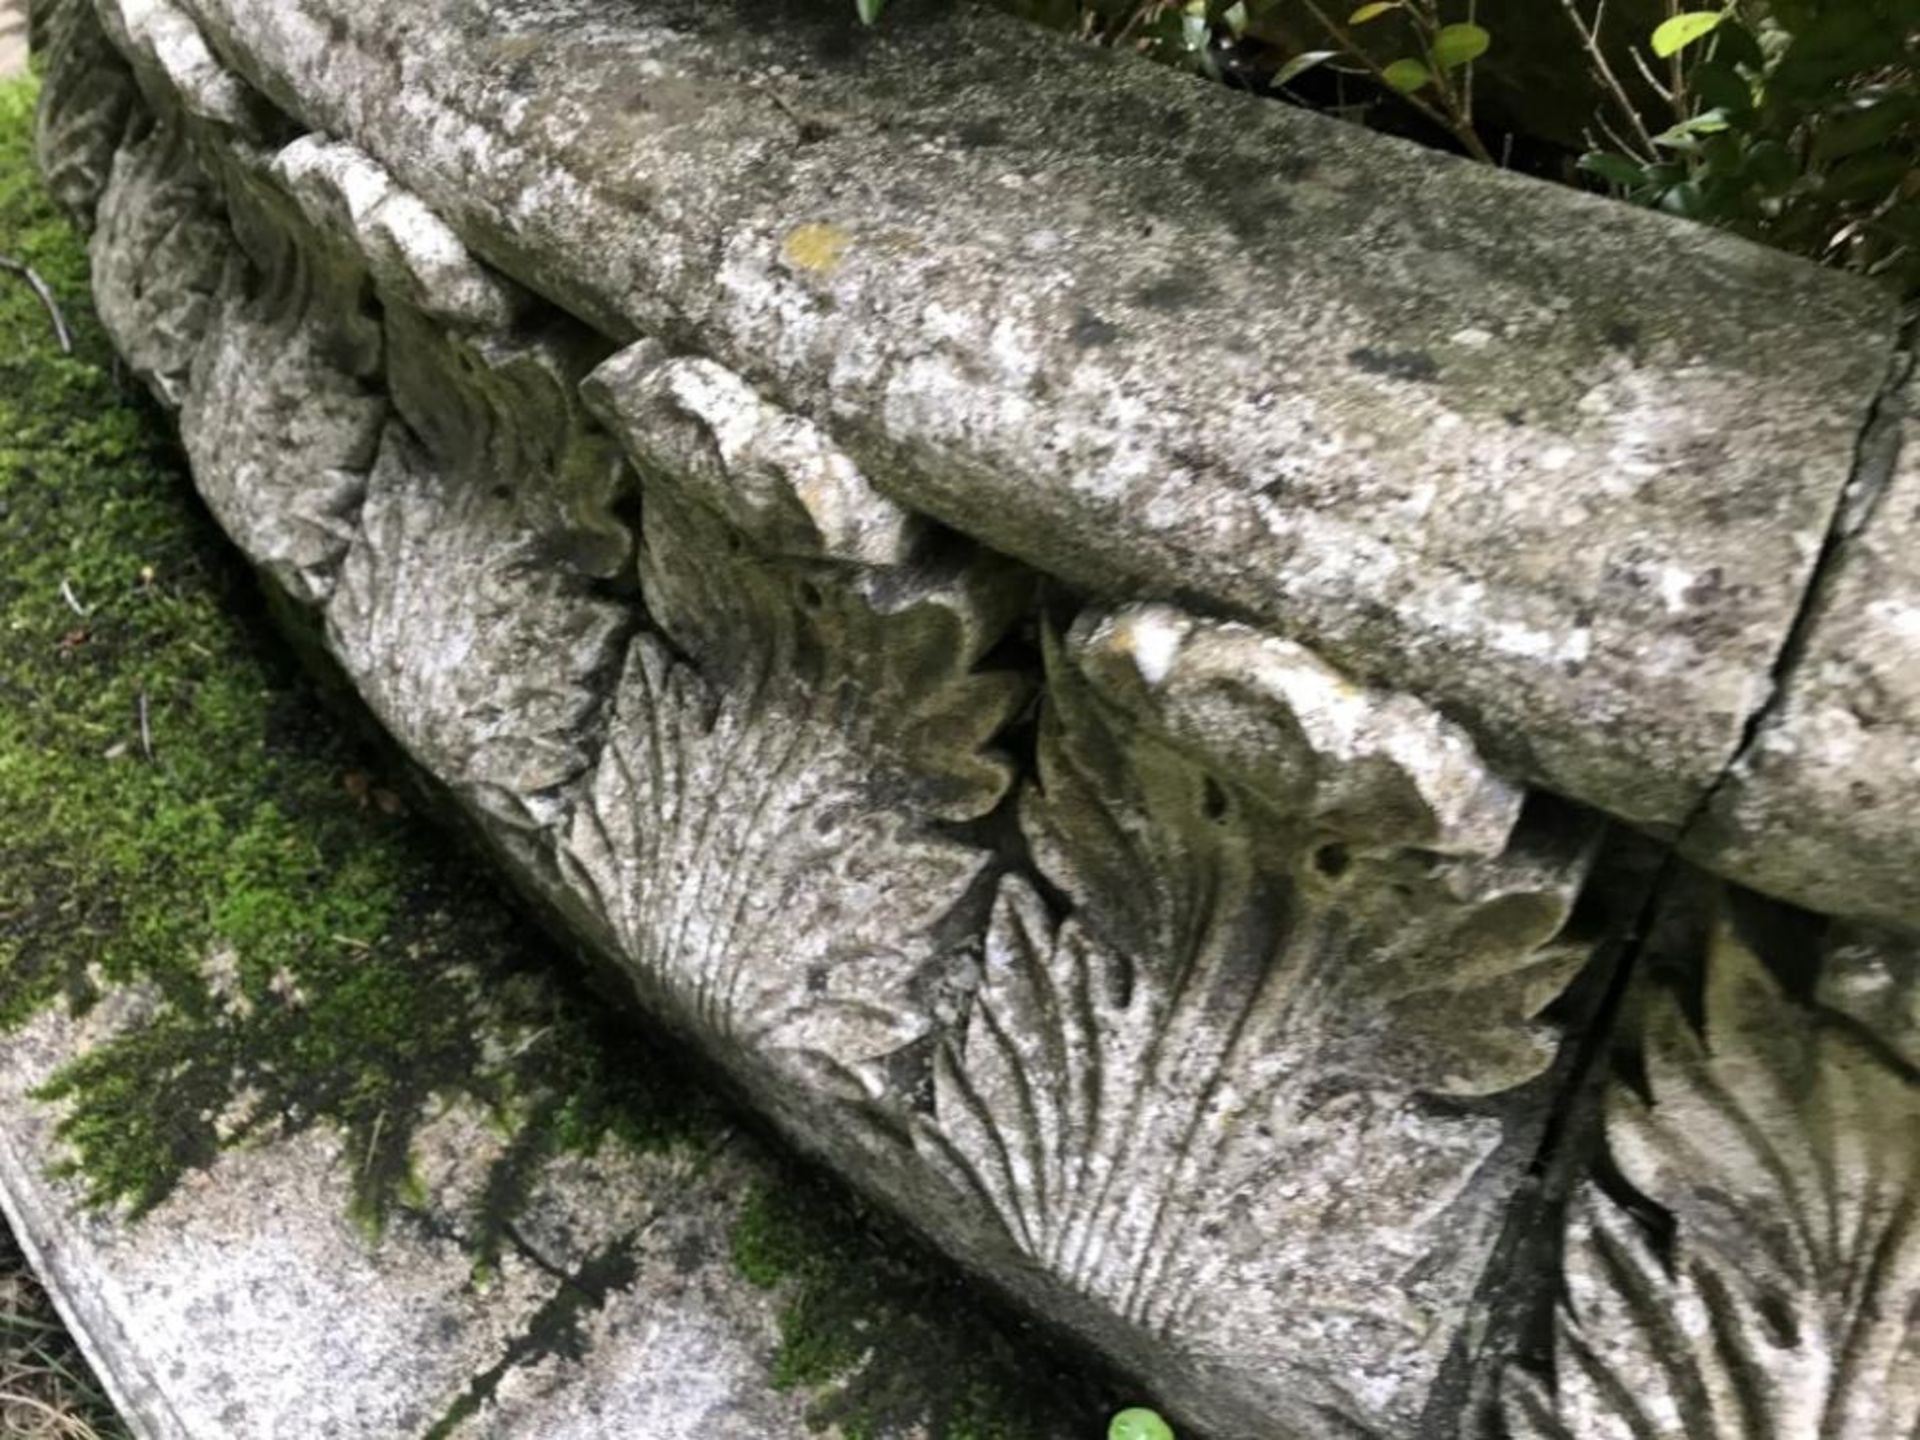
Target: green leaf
1300,64
1734,45
1861,177
1372,11
1771,166
1686,199
1842,42
1683,136
1407,76
1672,36
1617,169
1236,18
1458,45
1139,1424
869,10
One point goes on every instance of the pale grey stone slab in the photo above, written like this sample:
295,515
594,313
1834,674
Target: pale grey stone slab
248,1306
1215,1032
1452,427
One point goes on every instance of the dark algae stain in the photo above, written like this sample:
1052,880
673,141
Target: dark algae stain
190,842
1395,364
1173,293
1089,331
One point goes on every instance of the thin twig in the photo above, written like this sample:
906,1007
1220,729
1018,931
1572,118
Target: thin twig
1466,81
1344,38
65,1424
1678,89
1603,71
27,273
73,601
1654,81
528,1043
1619,144
1134,21
373,1141
146,730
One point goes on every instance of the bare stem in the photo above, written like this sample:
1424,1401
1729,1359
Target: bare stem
40,289
1678,86
1466,84
1604,73
1654,82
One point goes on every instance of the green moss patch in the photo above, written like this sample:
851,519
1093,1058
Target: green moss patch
178,812
182,821
865,1322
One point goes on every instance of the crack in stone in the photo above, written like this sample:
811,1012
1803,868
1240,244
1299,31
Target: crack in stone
1876,451
1466,1394
1561,1156
554,1328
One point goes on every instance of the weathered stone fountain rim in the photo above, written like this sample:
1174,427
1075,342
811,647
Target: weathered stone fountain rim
1823,344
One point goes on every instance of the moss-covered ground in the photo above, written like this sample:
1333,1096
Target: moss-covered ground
178,811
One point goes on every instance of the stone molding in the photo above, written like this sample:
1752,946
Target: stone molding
1156,838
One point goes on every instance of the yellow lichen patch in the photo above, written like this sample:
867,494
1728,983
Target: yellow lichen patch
816,248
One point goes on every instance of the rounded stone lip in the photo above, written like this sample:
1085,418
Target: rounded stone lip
1363,761
1558,466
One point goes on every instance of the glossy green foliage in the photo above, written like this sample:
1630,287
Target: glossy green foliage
1796,122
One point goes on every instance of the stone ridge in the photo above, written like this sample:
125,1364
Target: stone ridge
1819,805
1049,930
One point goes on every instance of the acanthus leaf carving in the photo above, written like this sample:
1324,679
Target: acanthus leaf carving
158,254
86,102
1783,1146
466,606
293,330
762,834
1222,1069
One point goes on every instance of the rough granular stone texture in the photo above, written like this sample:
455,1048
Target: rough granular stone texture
725,394
250,1307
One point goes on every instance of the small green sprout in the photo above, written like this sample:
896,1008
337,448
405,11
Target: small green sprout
1138,1423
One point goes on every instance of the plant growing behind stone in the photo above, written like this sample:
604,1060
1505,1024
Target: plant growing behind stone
1793,122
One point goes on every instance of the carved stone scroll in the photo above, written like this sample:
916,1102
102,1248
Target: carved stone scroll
760,836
